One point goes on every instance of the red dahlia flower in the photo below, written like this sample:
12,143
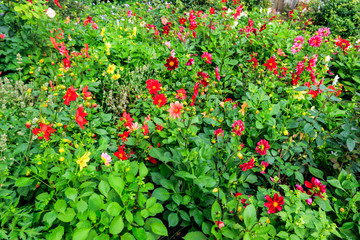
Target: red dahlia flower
212,10
181,94
160,100
124,136
262,147
85,92
153,85
274,204
121,153
80,117
70,95
44,131
127,120
207,57
172,63
146,129
248,165
238,127
315,41
182,21
271,64
219,132
316,187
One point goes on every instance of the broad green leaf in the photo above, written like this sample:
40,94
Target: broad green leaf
71,193
158,228
23,182
57,233
195,236
95,202
68,216
60,206
117,183
316,172
143,171
117,225
250,216
324,204
114,209
81,234
104,188
215,211
161,194
173,219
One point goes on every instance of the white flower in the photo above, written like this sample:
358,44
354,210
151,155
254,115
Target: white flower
142,24
327,58
50,12
269,10
335,80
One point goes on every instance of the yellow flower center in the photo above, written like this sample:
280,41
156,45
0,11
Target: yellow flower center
154,87
176,110
171,64
275,204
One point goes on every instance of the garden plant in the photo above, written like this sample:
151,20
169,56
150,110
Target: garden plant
156,120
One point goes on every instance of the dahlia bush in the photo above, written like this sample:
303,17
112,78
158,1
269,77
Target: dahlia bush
152,121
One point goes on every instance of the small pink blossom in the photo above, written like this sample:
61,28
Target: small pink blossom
207,57
190,62
262,147
175,109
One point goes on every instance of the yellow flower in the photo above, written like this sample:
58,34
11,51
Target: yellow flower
102,32
116,76
83,160
300,95
108,45
111,68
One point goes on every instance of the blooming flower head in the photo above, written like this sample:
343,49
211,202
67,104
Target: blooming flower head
172,63
271,64
168,44
296,48
220,224
264,165
70,95
316,187
159,100
238,127
342,43
274,204
111,68
299,40
262,147
151,159
50,12
175,109
181,94
248,165
124,136
44,131
315,41
82,161
80,117
127,120
190,62
121,153
159,127
85,92
207,57
324,32
145,128
106,159
218,132
153,85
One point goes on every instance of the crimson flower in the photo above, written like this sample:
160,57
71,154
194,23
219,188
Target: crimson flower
159,127
146,129
80,117
316,187
271,64
172,63
85,92
315,41
264,165
181,94
121,153
182,21
274,204
70,95
218,132
127,120
217,74
88,20
248,165
342,43
212,10
238,127
44,131
238,195
207,57
253,60
220,224
124,136
153,85
160,100
262,147
57,3
66,62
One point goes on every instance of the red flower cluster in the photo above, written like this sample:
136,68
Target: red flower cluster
271,65
80,117
248,165
44,131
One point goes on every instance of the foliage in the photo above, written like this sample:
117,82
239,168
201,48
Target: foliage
341,16
145,120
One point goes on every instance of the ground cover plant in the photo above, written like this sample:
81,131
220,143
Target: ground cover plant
155,121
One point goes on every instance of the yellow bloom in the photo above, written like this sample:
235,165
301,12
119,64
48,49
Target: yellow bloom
102,32
83,160
300,95
111,68
108,45
116,76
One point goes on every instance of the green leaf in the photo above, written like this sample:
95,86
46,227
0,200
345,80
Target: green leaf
104,188
117,183
316,172
127,236
167,184
81,206
258,125
81,234
117,225
50,217
71,193
60,206
215,211
299,177
195,236
95,202
348,225
283,235
114,209
250,216
68,216
21,148
173,219
143,171
161,194
350,143
302,88
325,205
158,228
57,233
184,175
23,182
334,182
